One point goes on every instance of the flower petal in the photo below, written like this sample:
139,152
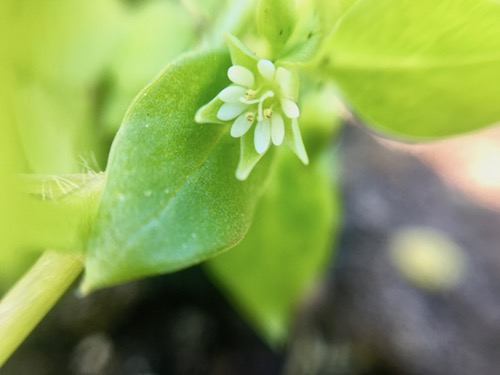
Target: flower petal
288,83
266,69
277,129
240,54
290,108
241,76
294,140
232,94
229,111
284,80
262,136
241,126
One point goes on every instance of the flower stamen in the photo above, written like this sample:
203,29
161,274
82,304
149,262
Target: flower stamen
266,95
250,116
250,94
268,112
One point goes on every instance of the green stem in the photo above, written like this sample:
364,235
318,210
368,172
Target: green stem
33,296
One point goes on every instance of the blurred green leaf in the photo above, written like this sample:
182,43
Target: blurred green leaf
205,11
285,249
154,35
171,199
275,21
53,124
60,51
11,161
331,11
316,21
419,68
66,41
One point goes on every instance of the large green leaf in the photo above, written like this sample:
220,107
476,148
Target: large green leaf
331,11
171,198
285,248
420,68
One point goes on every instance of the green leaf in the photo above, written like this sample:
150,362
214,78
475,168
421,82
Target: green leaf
285,249
317,20
419,68
59,51
330,12
155,34
53,125
276,21
171,198
11,162
66,41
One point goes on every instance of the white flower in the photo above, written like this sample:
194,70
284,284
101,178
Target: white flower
261,105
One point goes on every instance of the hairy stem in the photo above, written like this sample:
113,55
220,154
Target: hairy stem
33,296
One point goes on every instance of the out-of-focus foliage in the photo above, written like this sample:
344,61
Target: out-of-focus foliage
285,249
153,35
10,162
419,68
275,21
59,54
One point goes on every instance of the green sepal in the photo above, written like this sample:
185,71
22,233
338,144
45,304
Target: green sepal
240,54
249,157
208,113
293,139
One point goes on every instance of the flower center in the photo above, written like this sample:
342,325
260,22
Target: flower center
250,94
249,116
268,112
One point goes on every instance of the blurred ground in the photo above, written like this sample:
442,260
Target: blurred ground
415,288
175,324
470,162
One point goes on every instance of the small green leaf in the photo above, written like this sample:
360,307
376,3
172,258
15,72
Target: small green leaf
171,198
276,21
420,68
285,249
